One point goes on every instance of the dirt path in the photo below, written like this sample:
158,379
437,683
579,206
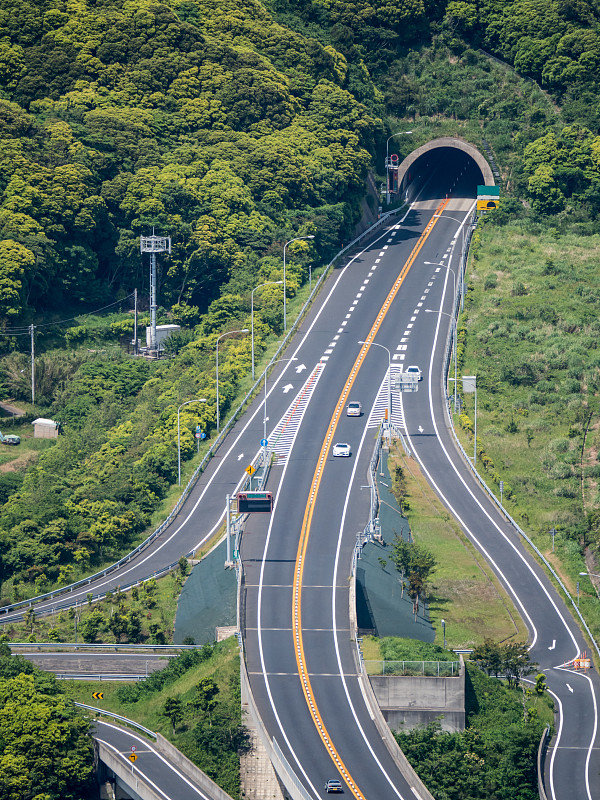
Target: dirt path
10,409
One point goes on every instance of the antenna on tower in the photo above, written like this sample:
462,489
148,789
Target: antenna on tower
153,245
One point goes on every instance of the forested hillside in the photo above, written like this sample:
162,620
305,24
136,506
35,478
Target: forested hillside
232,127
207,121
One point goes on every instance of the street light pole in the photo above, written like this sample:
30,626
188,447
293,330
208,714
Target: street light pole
260,285
389,386
387,164
297,239
445,313
590,575
187,402
227,333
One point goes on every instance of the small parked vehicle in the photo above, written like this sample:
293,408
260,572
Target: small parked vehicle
10,438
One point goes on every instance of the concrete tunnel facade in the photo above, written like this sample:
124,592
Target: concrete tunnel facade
446,142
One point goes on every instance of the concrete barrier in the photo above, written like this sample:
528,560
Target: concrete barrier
408,702
134,784
189,769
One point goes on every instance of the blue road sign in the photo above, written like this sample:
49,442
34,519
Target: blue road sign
264,442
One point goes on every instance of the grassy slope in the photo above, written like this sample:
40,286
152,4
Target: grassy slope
532,341
223,669
462,589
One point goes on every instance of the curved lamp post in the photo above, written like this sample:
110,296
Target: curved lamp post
387,164
383,347
187,402
297,239
260,285
227,333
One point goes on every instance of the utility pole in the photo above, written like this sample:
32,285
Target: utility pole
31,331
135,336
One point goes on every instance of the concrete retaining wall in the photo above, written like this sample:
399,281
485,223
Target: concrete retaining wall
189,769
411,702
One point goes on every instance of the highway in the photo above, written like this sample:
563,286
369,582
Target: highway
300,658
574,764
142,766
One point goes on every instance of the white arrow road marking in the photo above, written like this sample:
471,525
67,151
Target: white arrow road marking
553,644
300,367
287,388
569,688
241,455
421,429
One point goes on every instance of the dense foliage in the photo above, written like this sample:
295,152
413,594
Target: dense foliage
208,121
554,41
45,746
204,716
494,758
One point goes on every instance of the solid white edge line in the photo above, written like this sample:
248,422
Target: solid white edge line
500,531
593,739
349,492
267,541
157,754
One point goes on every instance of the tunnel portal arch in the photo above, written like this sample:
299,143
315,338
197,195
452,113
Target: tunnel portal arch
447,141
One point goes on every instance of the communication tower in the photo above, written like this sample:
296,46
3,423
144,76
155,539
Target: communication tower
153,245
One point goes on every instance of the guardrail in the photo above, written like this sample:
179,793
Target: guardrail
112,647
98,676
118,717
430,669
65,590
478,477
541,755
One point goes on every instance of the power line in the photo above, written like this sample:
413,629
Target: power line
24,330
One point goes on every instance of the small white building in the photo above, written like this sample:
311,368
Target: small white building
45,428
162,333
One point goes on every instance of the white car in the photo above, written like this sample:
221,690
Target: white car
414,371
341,449
354,409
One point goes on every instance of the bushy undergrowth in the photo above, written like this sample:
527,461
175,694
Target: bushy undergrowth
536,357
494,758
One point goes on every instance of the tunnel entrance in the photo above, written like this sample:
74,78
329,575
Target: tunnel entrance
441,152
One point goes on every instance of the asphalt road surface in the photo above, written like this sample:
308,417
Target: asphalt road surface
150,765
300,657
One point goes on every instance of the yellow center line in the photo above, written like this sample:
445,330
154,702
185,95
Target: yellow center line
310,505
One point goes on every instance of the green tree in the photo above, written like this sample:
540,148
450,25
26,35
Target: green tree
92,624
45,746
173,711
205,694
